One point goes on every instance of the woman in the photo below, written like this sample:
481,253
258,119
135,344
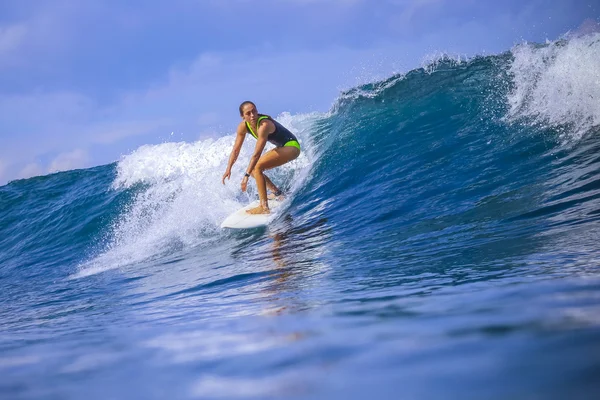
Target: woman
264,129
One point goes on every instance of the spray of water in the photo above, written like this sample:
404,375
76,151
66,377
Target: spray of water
558,84
179,200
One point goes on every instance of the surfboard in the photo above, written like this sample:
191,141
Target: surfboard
242,220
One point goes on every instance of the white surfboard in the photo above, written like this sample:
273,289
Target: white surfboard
242,220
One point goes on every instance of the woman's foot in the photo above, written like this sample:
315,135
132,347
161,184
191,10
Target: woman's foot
259,210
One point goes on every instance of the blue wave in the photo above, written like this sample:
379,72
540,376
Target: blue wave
442,207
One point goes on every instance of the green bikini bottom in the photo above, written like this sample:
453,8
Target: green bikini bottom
292,143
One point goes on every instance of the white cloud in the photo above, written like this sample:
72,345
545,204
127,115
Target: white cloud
11,37
30,170
75,159
42,123
208,118
41,107
2,170
409,9
114,132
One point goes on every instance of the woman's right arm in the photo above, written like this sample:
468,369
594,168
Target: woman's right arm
235,152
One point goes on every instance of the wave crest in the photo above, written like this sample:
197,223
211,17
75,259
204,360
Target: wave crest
558,84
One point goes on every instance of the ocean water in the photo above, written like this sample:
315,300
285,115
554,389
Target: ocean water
440,240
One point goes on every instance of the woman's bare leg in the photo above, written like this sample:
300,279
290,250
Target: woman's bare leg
274,158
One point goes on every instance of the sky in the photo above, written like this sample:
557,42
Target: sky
83,83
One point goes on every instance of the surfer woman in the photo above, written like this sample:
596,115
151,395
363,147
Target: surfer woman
264,129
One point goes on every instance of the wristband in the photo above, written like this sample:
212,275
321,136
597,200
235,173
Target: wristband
247,175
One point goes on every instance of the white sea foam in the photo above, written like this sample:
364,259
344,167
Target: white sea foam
433,61
180,200
558,84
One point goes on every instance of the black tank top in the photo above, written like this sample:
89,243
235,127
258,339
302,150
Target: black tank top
281,135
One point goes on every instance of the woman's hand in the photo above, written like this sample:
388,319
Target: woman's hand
227,175
244,184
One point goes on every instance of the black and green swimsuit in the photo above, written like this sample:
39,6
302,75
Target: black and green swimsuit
282,137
